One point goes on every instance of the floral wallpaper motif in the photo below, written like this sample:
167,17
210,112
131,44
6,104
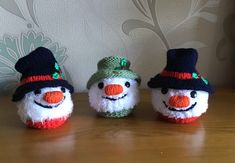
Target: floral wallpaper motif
82,32
14,47
12,7
198,8
228,42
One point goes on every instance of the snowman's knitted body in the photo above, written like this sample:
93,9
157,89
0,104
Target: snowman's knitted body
120,104
43,97
113,89
35,112
174,112
179,93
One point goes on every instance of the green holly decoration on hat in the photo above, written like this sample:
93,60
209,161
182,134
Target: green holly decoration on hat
123,64
59,74
205,81
196,76
57,67
55,75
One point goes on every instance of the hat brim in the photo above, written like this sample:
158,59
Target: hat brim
168,82
26,88
102,74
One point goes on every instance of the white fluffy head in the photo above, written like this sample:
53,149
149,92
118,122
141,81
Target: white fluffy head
201,101
29,110
125,100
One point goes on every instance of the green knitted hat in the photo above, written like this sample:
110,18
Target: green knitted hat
112,67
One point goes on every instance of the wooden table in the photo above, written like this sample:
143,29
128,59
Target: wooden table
142,137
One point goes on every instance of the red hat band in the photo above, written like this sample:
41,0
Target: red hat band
183,75
40,78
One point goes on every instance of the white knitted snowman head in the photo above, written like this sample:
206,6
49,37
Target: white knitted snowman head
179,93
48,107
43,96
113,89
180,105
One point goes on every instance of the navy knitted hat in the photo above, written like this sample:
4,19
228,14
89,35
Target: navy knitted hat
180,72
39,69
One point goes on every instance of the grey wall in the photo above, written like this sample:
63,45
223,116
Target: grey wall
82,32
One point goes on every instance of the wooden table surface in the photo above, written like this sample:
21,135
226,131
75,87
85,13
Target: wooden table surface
142,137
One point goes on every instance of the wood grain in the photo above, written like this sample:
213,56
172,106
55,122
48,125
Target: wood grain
142,137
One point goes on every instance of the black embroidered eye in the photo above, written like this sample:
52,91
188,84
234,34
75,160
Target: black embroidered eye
127,84
193,94
62,89
101,85
164,90
38,91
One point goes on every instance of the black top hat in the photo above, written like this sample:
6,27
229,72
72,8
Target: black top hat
180,72
39,69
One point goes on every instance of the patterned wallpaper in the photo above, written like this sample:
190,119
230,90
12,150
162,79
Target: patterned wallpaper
197,9
81,32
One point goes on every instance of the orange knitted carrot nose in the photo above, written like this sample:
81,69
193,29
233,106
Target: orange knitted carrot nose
179,101
53,97
113,89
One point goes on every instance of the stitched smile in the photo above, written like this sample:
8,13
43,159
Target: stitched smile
179,110
49,106
114,99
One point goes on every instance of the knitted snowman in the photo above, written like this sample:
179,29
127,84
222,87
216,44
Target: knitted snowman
179,93
113,89
43,96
